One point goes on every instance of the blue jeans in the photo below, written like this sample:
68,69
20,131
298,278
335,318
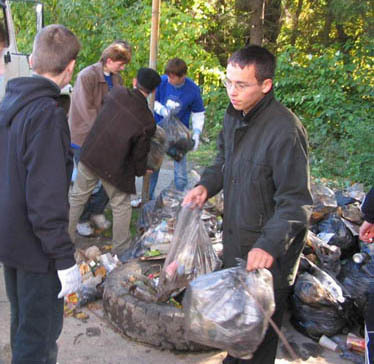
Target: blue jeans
36,315
180,177
97,201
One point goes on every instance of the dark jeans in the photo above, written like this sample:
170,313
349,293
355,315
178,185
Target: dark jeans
36,315
267,351
97,201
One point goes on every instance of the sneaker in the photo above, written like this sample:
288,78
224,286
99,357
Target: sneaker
85,229
136,203
101,222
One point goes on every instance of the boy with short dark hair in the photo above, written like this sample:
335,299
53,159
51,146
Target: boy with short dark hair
36,166
179,95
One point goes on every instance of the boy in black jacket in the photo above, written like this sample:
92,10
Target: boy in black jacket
35,169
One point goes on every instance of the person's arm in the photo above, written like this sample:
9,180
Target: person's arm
197,119
47,183
292,200
84,101
367,209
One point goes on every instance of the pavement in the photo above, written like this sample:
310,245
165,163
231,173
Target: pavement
96,341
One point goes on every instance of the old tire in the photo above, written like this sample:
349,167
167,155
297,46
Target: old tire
157,324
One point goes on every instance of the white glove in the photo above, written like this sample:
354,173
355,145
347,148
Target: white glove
196,139
161,109
70,279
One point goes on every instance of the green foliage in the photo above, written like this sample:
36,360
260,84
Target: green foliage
333,99
327,78
24,18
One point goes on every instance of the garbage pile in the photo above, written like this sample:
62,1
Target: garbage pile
94,266
157,222
180,239
329,295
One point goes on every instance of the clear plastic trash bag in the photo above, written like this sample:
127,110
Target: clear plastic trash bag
191,254
230,309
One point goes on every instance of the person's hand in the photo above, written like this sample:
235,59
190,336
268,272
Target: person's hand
161,109
196,139
196,197
367,232
258,258
70,279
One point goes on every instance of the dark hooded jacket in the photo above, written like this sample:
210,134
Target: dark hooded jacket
262,166
35,169
117,146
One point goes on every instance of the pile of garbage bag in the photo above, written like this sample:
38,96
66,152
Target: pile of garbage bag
157,222
230,309
329,292
319,302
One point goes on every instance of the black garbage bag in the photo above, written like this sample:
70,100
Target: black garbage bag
357,278
320,304
191,254
157,150
315,321
230,309
338,234
179,140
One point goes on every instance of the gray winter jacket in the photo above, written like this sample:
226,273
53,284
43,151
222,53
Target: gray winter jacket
262,166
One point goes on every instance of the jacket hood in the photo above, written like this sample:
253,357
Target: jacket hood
23,90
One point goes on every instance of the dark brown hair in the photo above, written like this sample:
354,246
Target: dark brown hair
261,58
177,67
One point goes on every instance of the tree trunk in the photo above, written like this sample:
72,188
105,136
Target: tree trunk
295,22
272,21
257,22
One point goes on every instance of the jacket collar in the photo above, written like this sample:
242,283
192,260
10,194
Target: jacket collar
237,114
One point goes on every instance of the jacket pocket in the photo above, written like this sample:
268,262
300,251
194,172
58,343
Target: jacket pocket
257,191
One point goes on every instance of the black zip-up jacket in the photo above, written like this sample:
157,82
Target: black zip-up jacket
367,207
262,166
35,172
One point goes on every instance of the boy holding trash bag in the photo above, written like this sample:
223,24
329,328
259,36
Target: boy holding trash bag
262,167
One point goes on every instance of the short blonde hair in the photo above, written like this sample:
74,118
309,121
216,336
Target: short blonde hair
55,46
119,50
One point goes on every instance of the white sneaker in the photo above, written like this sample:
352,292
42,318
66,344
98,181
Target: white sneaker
85,229
136,203
101,222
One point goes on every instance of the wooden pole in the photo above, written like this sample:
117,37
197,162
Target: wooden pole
155,29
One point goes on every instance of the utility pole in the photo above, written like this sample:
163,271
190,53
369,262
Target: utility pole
155,29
